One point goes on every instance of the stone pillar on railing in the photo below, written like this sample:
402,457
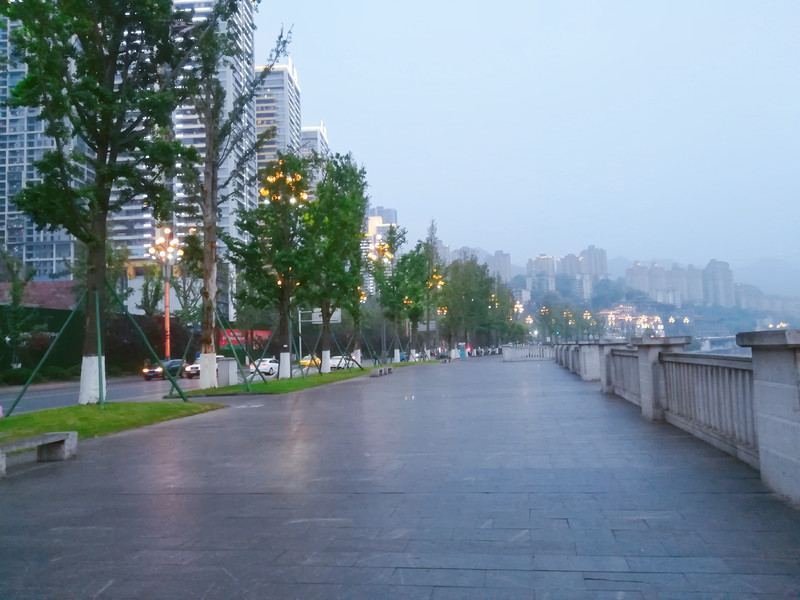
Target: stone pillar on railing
572,358
776,399
590,361
605,347
651,372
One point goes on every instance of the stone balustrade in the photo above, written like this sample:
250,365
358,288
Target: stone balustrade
749,408
535,352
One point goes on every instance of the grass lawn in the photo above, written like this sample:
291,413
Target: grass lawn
282,386
92,420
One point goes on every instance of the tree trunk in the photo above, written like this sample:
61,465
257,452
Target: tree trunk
93,364
325,339
355,352
283,336
208,353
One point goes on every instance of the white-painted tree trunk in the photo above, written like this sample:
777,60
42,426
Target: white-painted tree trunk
325,367
285,366
208,371
396,355
357,356
90,382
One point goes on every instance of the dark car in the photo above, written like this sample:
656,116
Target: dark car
173,367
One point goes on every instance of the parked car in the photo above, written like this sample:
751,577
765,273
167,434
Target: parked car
193,370
342,362
309,360
173,367
267,366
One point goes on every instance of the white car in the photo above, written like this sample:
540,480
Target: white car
193,370
267,366
342,362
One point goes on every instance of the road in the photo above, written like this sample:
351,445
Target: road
132,388
65,393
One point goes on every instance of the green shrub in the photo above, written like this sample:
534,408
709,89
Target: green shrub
16,376
113,371
54,373
74,371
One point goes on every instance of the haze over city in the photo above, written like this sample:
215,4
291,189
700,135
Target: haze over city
668,130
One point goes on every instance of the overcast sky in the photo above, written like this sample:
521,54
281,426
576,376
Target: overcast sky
652,129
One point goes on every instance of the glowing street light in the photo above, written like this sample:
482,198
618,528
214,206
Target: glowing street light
166,249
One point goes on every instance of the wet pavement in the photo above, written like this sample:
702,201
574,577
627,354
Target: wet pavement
474,479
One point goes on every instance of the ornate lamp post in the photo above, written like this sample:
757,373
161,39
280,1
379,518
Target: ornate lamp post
166,249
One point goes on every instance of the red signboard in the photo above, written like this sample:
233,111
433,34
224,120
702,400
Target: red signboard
254,337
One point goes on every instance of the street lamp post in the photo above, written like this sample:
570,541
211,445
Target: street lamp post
166,249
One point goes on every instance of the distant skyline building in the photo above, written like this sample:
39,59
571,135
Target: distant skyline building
314,139
595,262
277,105
376,229
541,273
388,216
443,251
236,76
718,284
570,265
22,141
637,278
500,265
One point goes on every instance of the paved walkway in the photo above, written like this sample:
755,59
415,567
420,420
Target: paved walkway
477,479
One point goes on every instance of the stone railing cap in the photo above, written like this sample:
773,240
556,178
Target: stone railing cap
780,337
663,341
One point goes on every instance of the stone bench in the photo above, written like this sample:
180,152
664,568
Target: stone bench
380,371
56,445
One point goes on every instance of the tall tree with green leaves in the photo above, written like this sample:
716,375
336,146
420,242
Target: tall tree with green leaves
271,263
187,280
224,127
435,277
388,280
332,250
102,75
152,291
413,276
467,294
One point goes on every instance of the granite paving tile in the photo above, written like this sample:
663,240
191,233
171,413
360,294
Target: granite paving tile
475,479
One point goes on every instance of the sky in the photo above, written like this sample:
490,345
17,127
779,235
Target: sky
652,129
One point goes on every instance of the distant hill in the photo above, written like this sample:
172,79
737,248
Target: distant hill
772,276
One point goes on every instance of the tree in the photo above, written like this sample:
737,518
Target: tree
467,294
18,321
103,76
152,291
224,127
270,262
500,315
388,280
188,282
413,277
435,276
332,249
